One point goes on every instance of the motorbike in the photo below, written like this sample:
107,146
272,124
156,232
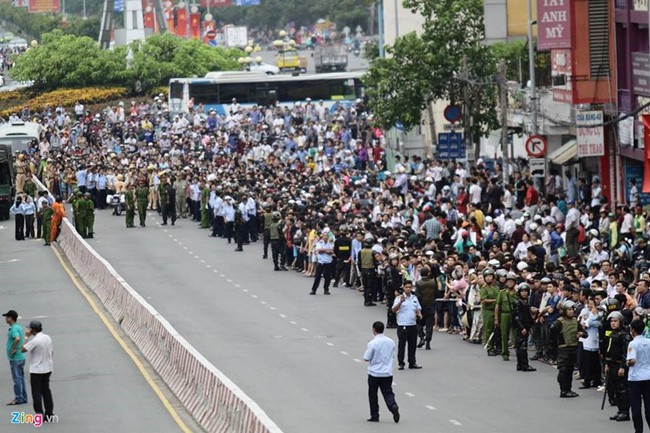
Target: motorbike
357,51
117,202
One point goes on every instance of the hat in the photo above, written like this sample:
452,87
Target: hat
35,324
12,314
522,265
494,262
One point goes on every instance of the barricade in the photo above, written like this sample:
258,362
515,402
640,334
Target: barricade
214,401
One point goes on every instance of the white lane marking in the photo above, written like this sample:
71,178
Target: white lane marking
293,323
181,243
430,407
284,316
208,266
245,290
215,271
272,308
222,276
237,285
356,359
343,352
171,236
454,422
254,296
263,302
330,344
165,230
197,257
10,261
183,247
304,329
410,394
203,261
191,253
229,280
2,227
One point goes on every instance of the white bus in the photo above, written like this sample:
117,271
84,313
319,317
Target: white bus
20,134
217,90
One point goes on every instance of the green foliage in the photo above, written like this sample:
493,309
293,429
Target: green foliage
32,26
69,61
419,69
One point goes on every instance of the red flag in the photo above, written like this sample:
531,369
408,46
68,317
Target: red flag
195,26
181,22
646,140
168,13
148,18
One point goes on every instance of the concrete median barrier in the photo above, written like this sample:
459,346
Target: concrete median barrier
214,401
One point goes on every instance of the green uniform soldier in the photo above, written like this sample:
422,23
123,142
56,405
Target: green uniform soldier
205,217
79,224
565,333
162,192
503,312
142,197
30,187
129,198
82,212
46,219
488,295
89,209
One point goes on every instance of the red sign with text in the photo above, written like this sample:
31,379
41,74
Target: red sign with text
41,6
553,24
216,3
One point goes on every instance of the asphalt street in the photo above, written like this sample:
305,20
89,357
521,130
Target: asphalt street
300,357
96,387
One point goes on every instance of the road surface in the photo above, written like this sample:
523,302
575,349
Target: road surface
95,385
299,356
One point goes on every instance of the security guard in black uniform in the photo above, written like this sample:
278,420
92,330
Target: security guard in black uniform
609,305
392,284
426,290
615,354
565,333
523,321
240,230
277,240
368,266
342,252
268,219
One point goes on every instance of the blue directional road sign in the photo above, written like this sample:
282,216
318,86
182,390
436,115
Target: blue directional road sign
451,145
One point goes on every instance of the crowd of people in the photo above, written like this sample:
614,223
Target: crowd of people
556,269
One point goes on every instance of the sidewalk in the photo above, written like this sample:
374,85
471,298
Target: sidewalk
96,386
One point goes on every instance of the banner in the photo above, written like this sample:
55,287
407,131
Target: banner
195,25
590,133
553,24
39,6
646,168
181,22
215,3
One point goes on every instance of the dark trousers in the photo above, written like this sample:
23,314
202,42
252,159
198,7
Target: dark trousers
267,241
29,226
20,227
196,210
240,236
425,329
217,226
590,367
169,211
639,391
406,334
101,199
41,394
323,270
385,384
368,277
566,360
522,349
277,250
39,227
252,227
342,271
230,225
572,242
618,386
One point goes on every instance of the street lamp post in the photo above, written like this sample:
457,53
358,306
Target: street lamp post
380,26
531,67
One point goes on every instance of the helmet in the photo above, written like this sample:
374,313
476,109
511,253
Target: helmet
523,286
488,272
393,256
502,273
522,265
533,227
511,276
613,304
368,243
277,215
615,315
545,280
568,304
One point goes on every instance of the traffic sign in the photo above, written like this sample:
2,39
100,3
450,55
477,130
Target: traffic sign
536,146
452,113
537,167
451,145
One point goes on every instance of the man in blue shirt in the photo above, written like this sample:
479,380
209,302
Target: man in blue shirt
15,340
379,356
324,256
408,310
638,377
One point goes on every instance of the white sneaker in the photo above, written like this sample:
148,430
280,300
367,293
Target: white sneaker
601,388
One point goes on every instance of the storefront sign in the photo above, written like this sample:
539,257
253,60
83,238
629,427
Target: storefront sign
640,5
641,74
554,24
590,133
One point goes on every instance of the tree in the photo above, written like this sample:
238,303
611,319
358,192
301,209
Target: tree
423,68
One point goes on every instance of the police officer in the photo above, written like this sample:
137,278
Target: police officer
488,295
268,219
427,288
169,206
408,310
503,312
46,218
142,197
615,354
392,287
368,265
240,229
89,215
523,322
564,333
277,241
129,198
342,252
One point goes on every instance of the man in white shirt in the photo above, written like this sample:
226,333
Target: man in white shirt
379,356
475,193
41,364
638,378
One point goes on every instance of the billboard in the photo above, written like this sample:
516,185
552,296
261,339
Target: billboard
554,24
641,74
41,6
590,133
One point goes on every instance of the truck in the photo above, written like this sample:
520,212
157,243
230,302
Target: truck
235,36
7,189
330,58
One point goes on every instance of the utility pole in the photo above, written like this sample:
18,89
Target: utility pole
467,114
503,97
531,68
380,26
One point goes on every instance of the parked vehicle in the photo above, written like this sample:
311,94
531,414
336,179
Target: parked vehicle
7,189
330,58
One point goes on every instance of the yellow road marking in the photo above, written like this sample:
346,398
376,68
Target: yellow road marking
184,428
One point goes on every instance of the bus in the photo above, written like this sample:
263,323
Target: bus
217,90
19,135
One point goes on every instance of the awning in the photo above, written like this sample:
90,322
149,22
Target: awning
565,153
